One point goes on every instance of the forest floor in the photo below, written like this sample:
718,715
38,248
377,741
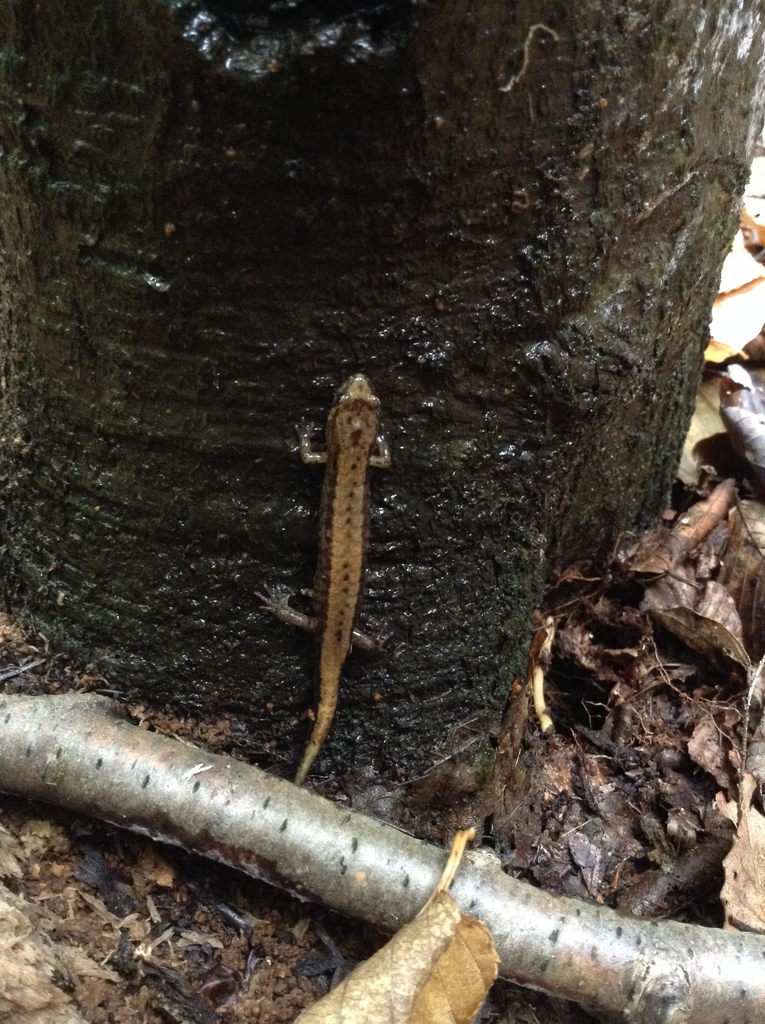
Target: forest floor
623,804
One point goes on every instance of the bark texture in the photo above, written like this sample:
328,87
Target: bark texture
509,216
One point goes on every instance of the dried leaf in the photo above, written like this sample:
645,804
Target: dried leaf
702,614
576,641
699,610
716,603
670,592
668,549
743,573
743,892
755,751
694,525
707,748
710,556
701,634
461,977
590,859
438,968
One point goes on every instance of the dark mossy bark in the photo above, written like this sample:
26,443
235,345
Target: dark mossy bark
511,219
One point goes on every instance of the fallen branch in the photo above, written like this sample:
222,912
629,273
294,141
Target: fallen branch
76,752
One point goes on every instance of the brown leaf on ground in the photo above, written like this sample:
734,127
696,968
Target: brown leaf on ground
708,748
703,615
743,573
701,634
684,600
666,549
589,858
437,968
461,977
755,752
743,893
625,660
671,592
715,603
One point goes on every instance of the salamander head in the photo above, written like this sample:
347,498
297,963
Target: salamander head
357,389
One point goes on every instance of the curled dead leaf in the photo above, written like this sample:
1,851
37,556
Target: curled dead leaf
743,573
667,549
743,892
437,968
702,634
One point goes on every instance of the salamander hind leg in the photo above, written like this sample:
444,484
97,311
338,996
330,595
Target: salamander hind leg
275,601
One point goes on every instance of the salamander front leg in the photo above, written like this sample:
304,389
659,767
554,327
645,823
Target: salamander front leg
380,459
305,445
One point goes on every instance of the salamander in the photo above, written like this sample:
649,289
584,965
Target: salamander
354,445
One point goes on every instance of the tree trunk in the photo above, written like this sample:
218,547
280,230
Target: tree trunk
510,218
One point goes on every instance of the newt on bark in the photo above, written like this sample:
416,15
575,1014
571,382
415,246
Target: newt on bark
354,445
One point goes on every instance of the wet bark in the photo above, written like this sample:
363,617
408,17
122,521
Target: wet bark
511,218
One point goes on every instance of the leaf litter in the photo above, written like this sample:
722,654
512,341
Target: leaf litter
653,677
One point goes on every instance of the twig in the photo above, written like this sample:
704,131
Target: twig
18,670
74,751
